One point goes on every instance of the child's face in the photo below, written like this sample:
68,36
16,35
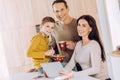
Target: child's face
48,28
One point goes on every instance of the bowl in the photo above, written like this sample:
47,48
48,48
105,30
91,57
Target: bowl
58,58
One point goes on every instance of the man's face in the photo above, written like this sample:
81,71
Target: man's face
60,11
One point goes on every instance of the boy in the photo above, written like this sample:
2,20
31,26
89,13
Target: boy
39,48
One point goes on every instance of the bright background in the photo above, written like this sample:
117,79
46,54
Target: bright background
19,17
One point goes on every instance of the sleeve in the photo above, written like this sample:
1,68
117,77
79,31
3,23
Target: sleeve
52,41
72,62
34,51
53,44
95,56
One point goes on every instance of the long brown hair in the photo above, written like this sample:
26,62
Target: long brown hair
48,19
94,34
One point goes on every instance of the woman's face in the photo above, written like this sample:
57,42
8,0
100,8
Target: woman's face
48,28
83,28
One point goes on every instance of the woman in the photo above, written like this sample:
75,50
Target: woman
89,52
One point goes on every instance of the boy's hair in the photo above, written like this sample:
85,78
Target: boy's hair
60,1
47,19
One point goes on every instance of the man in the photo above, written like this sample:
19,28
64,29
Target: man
66,28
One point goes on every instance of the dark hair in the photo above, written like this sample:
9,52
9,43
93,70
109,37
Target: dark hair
48,19
94,34
60,1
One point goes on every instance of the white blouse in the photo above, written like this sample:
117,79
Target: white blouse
89,58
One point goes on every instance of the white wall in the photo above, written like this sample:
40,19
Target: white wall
109,14
113,13
105,32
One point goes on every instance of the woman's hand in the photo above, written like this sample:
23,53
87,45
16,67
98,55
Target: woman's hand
63,73
68,74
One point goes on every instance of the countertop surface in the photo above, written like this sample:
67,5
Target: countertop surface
33,75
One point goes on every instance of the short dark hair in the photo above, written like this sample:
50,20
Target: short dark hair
47,19
60,1
94,34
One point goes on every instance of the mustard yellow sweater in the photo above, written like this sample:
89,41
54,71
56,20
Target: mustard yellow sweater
37,49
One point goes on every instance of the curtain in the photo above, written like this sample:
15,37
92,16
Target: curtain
4,74
16,28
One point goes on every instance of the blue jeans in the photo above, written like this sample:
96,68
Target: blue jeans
65,63
40,70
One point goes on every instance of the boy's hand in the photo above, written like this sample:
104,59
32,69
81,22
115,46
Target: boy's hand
50,52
